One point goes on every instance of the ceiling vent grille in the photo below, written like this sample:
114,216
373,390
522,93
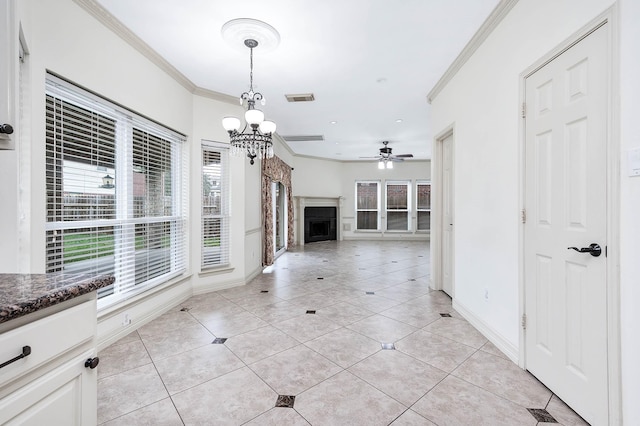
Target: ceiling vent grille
302,97
302,138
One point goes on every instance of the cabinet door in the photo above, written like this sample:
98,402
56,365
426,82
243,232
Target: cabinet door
65,396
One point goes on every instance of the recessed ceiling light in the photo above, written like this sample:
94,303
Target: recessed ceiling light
333,122
399,120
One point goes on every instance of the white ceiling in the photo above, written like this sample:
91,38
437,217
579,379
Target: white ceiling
368,62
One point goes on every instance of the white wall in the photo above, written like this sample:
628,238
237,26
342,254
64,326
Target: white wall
98,60
63,38
482,102
351,172
630,206
244,185
314,177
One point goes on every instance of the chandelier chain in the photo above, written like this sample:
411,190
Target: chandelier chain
251,69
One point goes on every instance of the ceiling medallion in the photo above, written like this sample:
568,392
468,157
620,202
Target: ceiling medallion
236,31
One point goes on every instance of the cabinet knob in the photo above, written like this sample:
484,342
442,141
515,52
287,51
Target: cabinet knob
92,362
6,129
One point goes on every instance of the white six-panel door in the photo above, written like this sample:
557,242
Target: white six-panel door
565,201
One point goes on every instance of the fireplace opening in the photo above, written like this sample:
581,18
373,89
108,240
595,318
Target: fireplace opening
319,229
319,224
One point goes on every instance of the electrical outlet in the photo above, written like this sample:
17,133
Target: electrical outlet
126,319
486,294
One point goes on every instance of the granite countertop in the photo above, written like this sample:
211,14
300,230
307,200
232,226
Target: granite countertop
22,294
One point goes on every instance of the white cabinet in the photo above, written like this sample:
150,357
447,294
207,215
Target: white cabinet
65,396
51,386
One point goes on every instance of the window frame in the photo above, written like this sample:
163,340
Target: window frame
377,209
224,215
142,247
419,210
408,210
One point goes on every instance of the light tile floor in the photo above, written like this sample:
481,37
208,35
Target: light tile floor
364,294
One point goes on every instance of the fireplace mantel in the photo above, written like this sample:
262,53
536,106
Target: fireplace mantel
305,201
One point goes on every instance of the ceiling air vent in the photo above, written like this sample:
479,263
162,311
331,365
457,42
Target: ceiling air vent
302,97
303,138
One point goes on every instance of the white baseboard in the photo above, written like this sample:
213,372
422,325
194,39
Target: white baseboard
139,312
506,347
146,309
216,286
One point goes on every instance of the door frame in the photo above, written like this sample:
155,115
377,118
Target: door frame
285,218
437,216
610,18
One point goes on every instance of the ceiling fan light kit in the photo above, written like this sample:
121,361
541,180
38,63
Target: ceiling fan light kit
255,138
385,164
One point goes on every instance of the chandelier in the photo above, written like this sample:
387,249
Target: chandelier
255,139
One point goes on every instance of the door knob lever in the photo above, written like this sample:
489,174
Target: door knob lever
6,129
594,249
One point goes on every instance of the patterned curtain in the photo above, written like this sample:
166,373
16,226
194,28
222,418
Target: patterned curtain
274,170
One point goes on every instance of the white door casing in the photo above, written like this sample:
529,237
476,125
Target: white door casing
566,203
447,215
442,246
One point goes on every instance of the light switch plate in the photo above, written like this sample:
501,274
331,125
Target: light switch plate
634,162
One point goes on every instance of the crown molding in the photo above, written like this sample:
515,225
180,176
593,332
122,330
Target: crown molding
284,143
487,27
96,10
222,97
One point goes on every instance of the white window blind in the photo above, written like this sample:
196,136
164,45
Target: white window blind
367,205
423,205
116,195
398,204
215,205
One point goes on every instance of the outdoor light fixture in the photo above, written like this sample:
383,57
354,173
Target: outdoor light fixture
255,138
107,182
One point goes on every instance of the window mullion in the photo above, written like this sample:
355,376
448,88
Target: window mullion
124,233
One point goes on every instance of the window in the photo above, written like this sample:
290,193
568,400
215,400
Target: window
215,205
367,205
116,202
398,206
423,197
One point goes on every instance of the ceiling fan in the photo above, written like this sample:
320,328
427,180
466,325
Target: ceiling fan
386,155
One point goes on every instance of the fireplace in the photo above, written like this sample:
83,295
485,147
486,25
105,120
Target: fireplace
319,224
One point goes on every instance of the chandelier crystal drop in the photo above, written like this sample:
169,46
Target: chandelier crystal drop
255,139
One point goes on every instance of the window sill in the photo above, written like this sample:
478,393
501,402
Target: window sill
216,270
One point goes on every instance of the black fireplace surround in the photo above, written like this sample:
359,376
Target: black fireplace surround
319,224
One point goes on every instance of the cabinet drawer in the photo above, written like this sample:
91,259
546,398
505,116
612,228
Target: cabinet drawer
48,338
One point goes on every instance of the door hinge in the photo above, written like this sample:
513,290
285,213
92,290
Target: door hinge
524,321
523,215
524,110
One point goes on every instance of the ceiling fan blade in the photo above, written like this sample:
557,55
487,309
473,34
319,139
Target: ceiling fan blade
396,159
404,156
371,157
